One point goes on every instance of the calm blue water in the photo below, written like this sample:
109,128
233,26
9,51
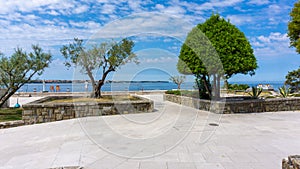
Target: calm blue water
80,87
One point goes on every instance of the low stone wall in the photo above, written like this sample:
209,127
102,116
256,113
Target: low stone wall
9,124
238,106
293,162
40,111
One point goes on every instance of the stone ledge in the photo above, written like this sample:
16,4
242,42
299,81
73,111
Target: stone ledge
41,112
237,106
10,124
70,167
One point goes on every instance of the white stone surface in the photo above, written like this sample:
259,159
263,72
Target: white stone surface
165,139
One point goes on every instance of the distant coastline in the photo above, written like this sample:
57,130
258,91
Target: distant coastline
82,81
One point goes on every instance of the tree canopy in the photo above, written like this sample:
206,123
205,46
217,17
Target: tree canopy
216,48
294,27
105,56
20,68
293,80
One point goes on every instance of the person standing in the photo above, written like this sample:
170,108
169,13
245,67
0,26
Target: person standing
86,86
57,88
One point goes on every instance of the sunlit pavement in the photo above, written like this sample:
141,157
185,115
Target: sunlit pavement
173,136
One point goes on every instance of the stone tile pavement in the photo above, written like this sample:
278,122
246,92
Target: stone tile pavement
172,137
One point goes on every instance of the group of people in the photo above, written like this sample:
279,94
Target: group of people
57,88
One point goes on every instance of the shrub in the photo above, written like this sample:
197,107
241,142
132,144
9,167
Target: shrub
175,92
238,86
255,92
284,91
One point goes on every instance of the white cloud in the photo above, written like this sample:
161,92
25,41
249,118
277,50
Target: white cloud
53,7
53,12
259,2
240,19
141,23
159,6
275,9
217,4
108,9
91,25
80,9
275,44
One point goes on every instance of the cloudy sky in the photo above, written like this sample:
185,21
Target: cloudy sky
158,28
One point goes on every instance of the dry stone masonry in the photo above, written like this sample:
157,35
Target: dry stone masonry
238,106
10,124
40,111
293,162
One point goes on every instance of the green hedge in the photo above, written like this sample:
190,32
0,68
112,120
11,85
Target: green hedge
238,86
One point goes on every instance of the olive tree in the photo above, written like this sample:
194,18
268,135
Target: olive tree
107,57
178,80
215,42
20,68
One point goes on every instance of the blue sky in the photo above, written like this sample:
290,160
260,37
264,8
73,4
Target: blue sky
158,28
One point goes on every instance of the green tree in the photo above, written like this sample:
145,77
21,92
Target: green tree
216,39
106,57
178,80
294,27
293,80
20,68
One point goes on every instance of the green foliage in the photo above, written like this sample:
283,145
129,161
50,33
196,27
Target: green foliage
293,80
175,92
296,94
238,86
20,68
284,91
294,27
216,48
106,56
178,80
231,44
255,92
187,93
10,114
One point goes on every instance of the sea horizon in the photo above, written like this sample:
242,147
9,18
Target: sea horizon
79,86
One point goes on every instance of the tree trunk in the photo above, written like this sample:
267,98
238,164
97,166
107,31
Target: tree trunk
97,89
226,85
215,90
98,86
6,97
89,73
218,94
206,85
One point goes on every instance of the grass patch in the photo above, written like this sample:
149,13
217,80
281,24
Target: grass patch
106,98
188,93
263,93
10,114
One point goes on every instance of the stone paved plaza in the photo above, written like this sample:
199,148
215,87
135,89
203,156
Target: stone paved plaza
172,137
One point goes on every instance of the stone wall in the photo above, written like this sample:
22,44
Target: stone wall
238,106
40,111
293,162
10,124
